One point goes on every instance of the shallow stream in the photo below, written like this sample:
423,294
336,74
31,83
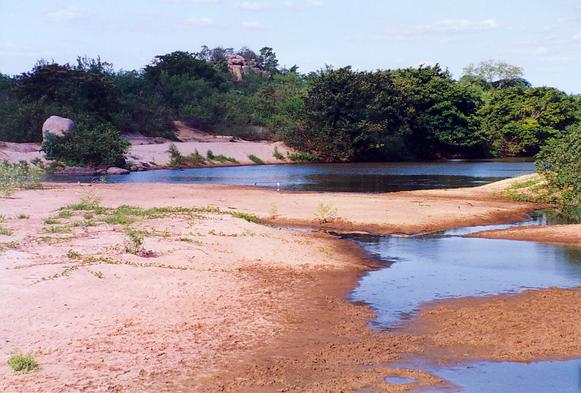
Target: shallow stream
447,265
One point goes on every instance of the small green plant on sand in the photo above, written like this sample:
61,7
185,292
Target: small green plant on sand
97,273
273,212
255,159
276,154
5,231
135,241
22,363
326,213
72,254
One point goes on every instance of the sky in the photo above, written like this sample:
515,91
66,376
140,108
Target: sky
541,36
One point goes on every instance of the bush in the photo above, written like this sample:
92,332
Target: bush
559,161
24,363
19,175
177,159
303,156
101,145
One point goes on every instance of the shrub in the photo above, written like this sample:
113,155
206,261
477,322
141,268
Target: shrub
326,213
276,154
559,161
24,363
255,159
18,175
303,156
101,145
177,159
135,244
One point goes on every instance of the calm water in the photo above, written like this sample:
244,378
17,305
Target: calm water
377,177
446,265
509,377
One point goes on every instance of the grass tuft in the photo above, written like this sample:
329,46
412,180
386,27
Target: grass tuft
22,363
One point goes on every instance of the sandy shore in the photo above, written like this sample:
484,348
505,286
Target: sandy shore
557,234
213,302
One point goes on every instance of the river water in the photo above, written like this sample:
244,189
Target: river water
368,178
447,265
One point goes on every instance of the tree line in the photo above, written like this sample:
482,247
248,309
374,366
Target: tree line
335,114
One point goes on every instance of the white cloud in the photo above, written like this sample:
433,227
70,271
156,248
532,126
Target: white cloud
577,37
458,26
67,14
201,22
251,25
253,5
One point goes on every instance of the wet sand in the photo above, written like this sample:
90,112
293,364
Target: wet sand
222,304
557,234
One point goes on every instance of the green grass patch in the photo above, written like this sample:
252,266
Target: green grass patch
5,231
276,154
57,229
22,363
246,216
255,159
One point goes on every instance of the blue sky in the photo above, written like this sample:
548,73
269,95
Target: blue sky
542,36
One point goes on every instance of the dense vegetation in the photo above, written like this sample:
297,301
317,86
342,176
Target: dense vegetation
333,115
560,163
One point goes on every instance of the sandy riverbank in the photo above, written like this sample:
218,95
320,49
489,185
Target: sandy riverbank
557,234
217,303
153,152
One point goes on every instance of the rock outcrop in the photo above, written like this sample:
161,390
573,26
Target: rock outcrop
58,126
239,67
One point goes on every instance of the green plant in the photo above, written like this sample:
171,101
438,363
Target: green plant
276,154
246,216
51,221
97,273
560,162
89,201
19,175
135,241
72,254
101,145
303,156
5,231
65,214
22,363
273,211
255,159
326,213
176,158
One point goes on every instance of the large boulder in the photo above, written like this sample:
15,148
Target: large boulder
58,126
117,171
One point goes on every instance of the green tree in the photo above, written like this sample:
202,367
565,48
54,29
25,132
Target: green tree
518,121
559,161
442,112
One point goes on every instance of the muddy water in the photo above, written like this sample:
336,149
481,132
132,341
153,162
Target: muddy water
447,265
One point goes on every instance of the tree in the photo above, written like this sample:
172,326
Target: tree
496,74
352,115
442,113
518,121
559,162
267,60
182,64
